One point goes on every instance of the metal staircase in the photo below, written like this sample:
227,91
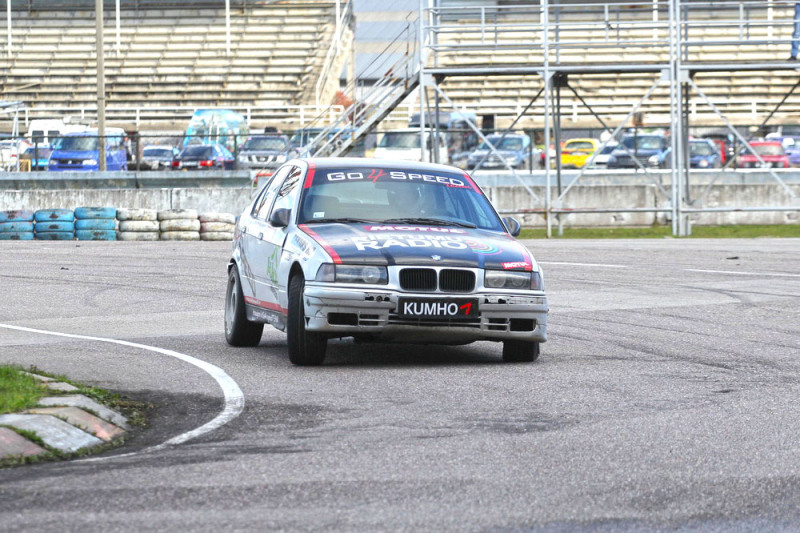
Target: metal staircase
361,117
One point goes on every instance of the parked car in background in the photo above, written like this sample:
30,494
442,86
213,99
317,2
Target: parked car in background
703,153
771,152
158,157
647,145
405,145
266,151
791,144
515,149
575,152
204,157
601,158
79,151
38,155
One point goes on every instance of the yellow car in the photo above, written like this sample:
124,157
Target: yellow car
576,152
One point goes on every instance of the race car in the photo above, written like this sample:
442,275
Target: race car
384,251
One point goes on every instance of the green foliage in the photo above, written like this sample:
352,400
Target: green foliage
18,391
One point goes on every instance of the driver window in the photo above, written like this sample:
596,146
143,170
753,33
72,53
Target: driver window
261,207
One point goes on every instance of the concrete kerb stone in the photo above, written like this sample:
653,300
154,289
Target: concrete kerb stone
13,445
54,432
61,386
37,377
78,400
83,420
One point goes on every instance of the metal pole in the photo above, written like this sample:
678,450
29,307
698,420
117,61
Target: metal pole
8,25
101,88
683,226
117,11
228,27
546,50
673,118
423,154
557,144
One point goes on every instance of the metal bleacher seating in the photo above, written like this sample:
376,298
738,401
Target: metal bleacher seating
170,57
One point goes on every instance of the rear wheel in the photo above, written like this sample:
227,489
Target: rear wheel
520,351
305,348
238,330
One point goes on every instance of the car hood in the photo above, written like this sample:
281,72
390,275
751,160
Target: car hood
75,154
640,154
263,152
389,244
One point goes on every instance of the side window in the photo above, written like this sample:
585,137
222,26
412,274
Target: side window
288,191
261,207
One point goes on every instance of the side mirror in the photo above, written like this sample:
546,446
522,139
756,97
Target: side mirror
513,226
280,217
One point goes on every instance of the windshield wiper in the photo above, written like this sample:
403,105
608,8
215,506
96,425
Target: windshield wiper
344,220
430,221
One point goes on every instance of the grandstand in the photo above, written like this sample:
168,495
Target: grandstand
171,60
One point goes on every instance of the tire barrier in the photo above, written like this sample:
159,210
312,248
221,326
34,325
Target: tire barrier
96,234
216,226
135,226
216,236
96,224
137,235
136,214
54,225
170,214
87,213
179,224
17,215
49,215
180,235
16,225
227,218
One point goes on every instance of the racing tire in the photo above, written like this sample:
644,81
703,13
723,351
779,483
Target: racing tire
89,213
137,214
216,236
96,224
238,330
137,236
520,351
55,225
139,225
54,215
305,349
16,235
179,214
95,234
16,226
16,215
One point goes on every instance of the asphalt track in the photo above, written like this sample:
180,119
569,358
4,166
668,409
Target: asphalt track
666,399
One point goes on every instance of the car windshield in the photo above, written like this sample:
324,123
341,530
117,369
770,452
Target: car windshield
644,142
396,196
768,149
702,149
157,152
509,143
303,137
75,143
265,143
608,149
580,145
396,139
200,151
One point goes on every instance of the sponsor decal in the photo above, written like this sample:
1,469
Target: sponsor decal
517,264
375,174
322,242
272,265
303,245
482,247
421,229
429,241
266,305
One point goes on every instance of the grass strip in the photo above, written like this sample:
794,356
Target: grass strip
660,232
18,391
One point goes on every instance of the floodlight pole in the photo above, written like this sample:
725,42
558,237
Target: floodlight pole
101,88
8,25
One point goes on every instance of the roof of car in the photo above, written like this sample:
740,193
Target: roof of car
366,162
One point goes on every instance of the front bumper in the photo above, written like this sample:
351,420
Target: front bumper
373,313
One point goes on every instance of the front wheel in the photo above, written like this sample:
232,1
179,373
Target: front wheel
305,348
238,330
520,351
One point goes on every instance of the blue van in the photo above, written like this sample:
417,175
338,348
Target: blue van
78,151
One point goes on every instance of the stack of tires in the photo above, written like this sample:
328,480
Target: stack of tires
179,225
54,225
137,225
16,225
216,226
96,223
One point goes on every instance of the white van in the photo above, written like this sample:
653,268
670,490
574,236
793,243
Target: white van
404,144
45,131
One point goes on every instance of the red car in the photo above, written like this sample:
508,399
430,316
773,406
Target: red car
771,152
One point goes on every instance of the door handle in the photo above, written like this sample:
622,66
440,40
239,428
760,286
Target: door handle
261,236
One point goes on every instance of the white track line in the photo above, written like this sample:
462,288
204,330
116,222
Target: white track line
601,265
735,273
234,397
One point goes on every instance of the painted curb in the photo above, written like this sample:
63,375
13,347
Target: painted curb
78,400
54,433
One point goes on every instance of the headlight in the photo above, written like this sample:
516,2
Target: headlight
243,158
503,279
373,275
703,163
281,159
653,161
89,161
